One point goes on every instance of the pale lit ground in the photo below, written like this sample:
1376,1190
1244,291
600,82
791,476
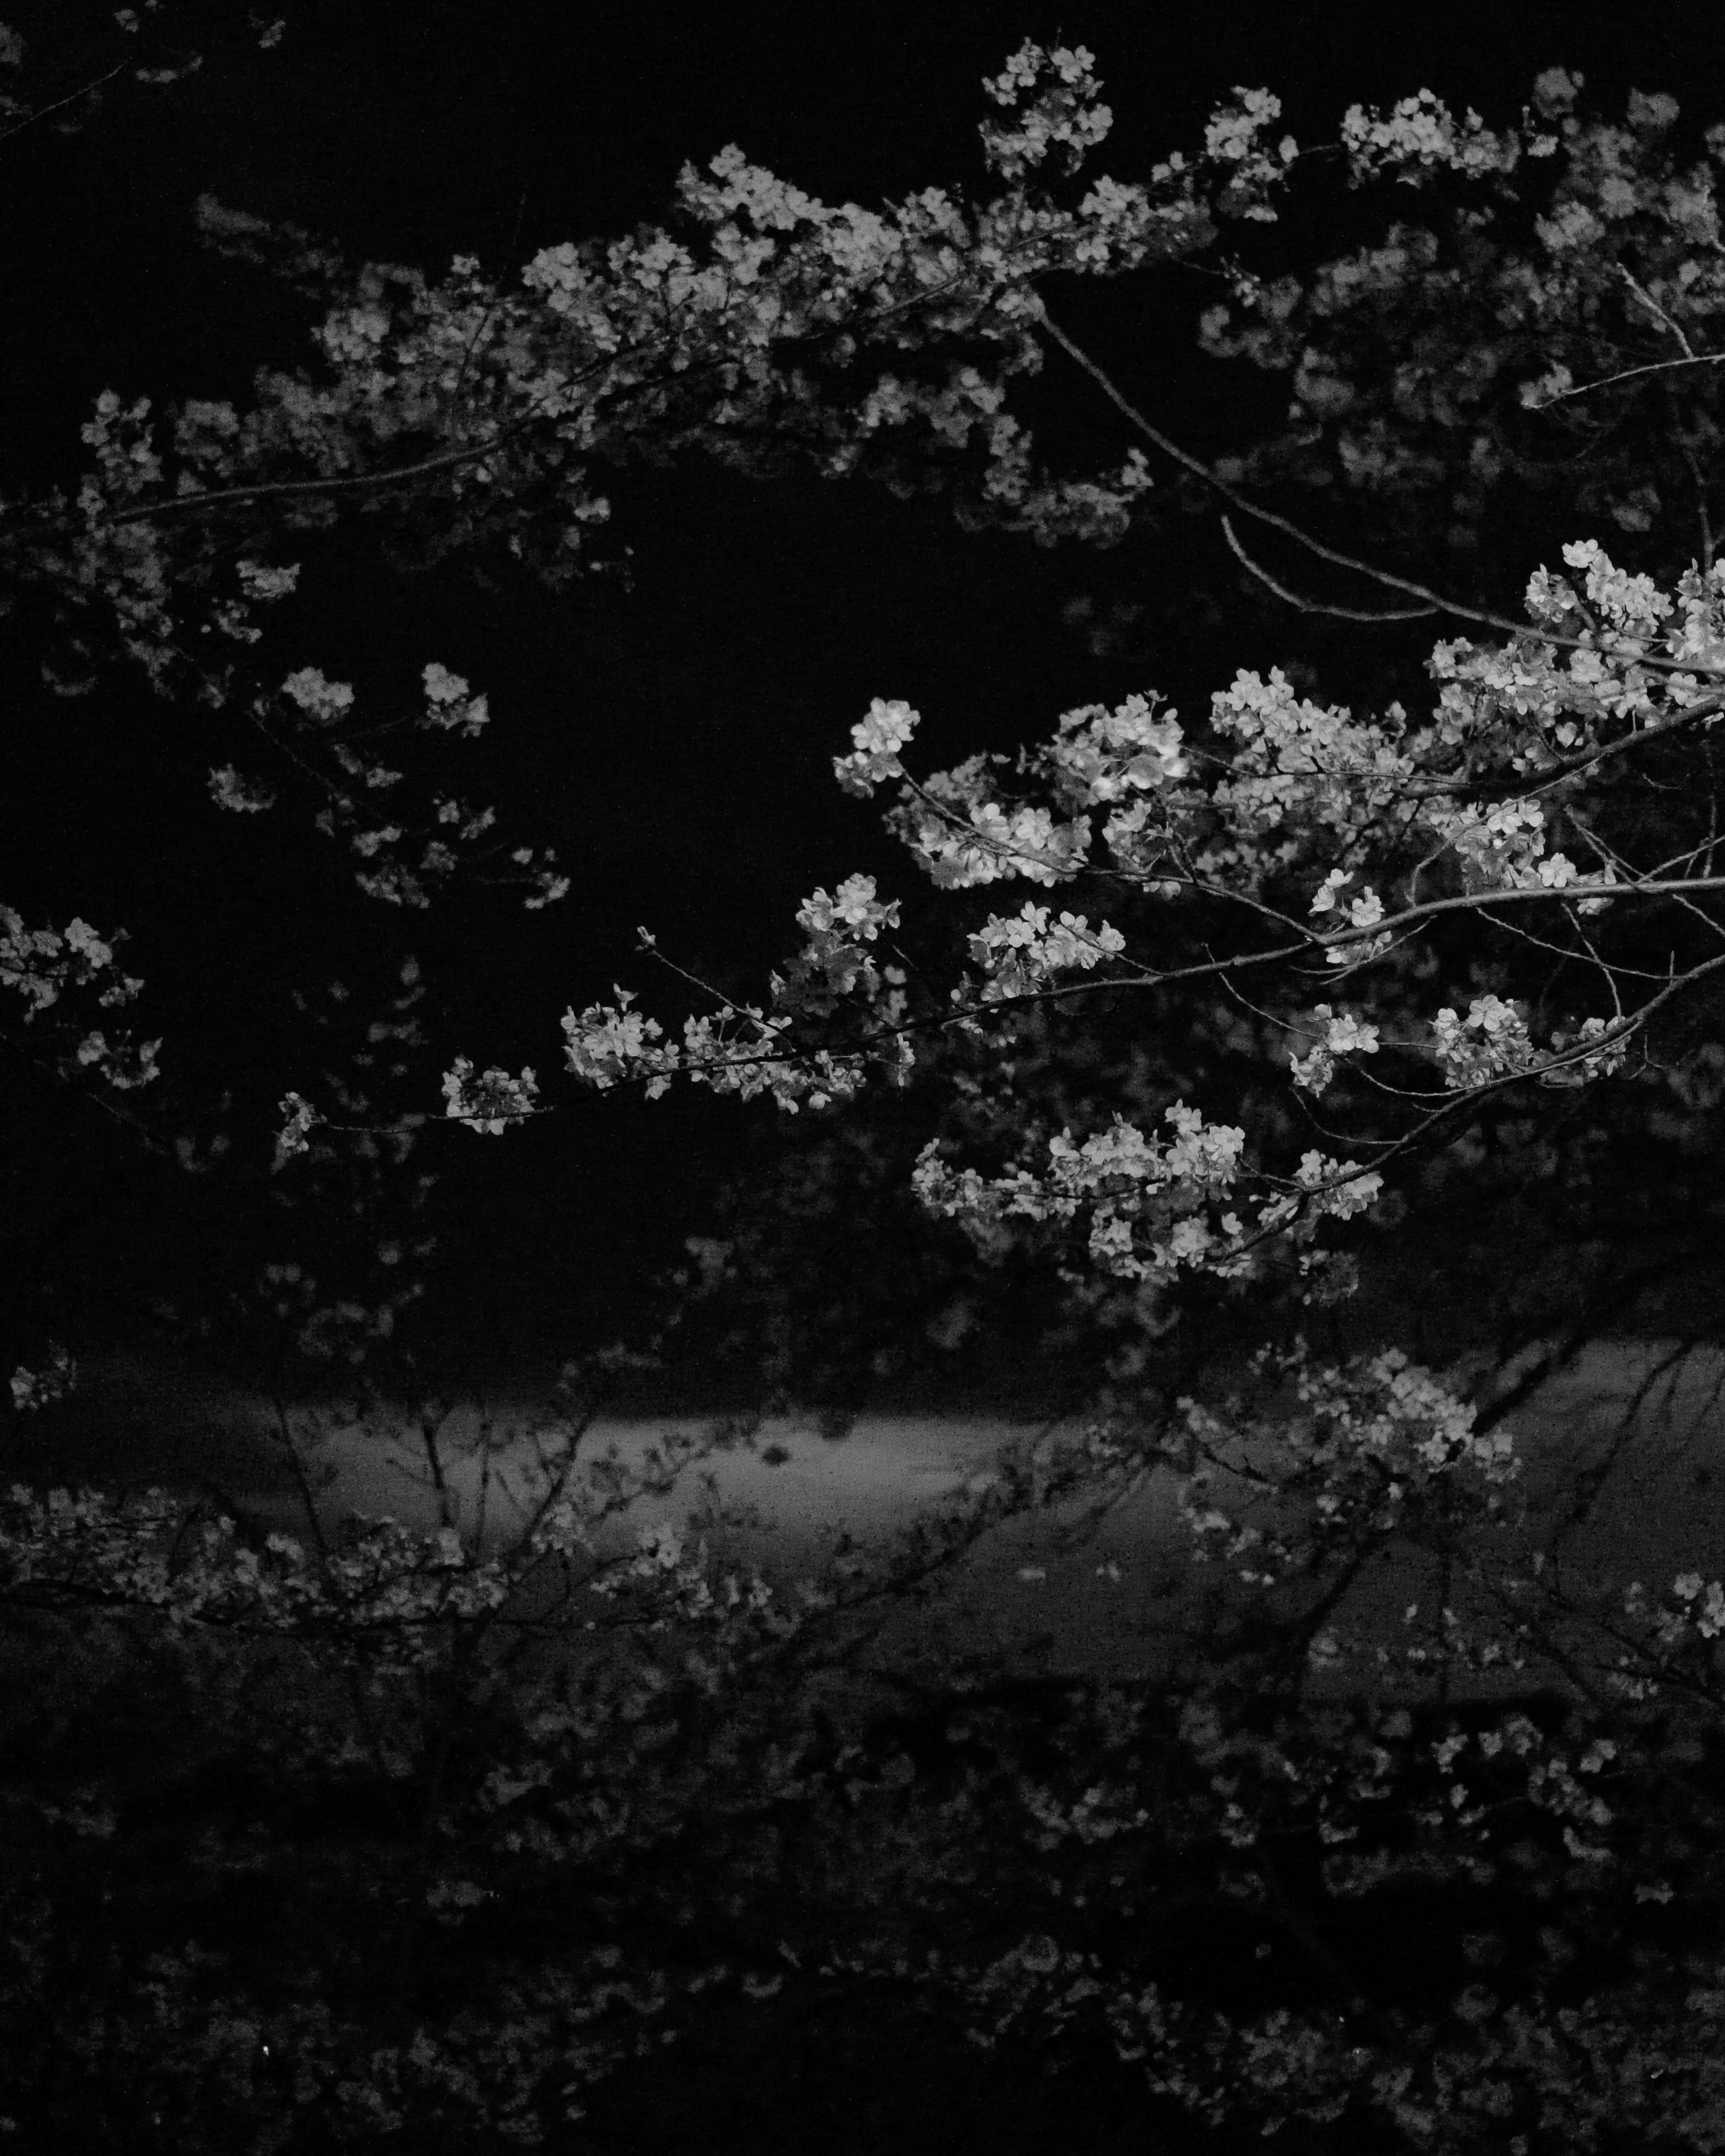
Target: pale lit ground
1108,1607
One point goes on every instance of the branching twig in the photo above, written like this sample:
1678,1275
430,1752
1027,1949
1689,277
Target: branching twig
1436,600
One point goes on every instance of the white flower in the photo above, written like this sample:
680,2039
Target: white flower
489,1103
83,939
1347,1035
1491,1042
228,790
441,686
259,583
887,727
321,700
878,738
1314,1071
1324,898
1626,602
852,907
450,706
1366,911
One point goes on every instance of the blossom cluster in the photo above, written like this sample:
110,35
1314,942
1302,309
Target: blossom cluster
1360,1451
1021,955
601,348
1063,110
994,843
1342,1035
835,962
1682,1625
878,737
1491,1042
32,1389
1324,780
140,1551
42,964
609,1044
1137,1186
686,1589
587,357
1420,130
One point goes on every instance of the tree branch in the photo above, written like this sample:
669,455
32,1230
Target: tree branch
1436,600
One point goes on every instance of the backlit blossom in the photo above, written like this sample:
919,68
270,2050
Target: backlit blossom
322,701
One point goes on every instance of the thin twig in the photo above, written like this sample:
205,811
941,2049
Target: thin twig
1384,576
60,104
1315,606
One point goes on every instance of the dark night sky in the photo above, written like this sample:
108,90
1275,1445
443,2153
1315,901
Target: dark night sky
675,744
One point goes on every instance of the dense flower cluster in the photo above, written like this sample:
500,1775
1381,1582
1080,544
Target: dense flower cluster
1302,784
42,964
